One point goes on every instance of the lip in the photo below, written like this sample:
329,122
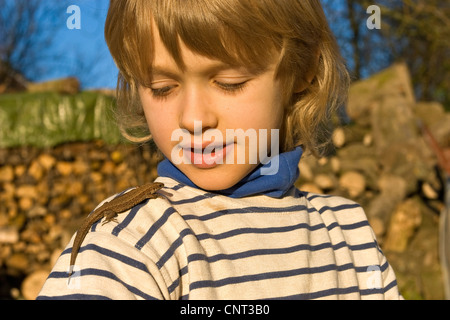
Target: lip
210,158
202,146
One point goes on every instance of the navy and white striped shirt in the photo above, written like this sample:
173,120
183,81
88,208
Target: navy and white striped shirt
194,244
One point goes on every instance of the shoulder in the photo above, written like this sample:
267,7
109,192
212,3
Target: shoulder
138,219
114,260
343,218
343,208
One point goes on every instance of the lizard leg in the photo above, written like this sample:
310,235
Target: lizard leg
110,216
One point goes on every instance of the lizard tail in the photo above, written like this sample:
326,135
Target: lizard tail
81,233
71,270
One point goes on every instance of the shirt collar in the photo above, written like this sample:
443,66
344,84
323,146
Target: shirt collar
258,182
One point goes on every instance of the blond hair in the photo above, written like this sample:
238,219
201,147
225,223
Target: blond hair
238,32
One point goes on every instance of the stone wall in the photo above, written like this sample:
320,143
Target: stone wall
383,162
44,196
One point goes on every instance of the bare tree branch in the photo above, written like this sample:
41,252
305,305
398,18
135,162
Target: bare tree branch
414,31
27,29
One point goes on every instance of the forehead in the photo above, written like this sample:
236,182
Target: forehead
164,58
199,30
204,33
164,62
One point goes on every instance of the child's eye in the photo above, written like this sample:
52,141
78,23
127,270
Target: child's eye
161,92
228,87
231,87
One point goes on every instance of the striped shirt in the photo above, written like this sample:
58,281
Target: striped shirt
193,244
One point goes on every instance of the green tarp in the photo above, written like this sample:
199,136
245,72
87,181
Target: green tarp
48,119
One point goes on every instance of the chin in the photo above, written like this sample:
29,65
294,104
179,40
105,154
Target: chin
212,183
219,178
212,186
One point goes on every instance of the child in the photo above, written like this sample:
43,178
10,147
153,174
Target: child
232,92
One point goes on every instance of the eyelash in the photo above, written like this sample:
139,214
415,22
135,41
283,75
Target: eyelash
162,93
231,87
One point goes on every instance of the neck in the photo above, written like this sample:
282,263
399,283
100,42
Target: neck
261,181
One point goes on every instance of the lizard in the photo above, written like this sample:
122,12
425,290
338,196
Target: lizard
109,210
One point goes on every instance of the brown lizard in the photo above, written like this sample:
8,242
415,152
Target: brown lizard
110,210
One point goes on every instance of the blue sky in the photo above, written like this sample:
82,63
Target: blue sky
86,54
85,51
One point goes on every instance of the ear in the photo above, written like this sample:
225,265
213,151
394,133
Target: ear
311,73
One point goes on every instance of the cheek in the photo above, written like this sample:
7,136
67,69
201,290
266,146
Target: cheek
159,125
264,110
153,121
160,129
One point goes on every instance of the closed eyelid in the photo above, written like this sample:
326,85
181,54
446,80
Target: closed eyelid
163,82
162,75
238,74
219,69
232,79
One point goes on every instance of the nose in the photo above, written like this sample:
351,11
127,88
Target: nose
197,106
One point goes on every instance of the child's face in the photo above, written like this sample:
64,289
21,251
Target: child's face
221,97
